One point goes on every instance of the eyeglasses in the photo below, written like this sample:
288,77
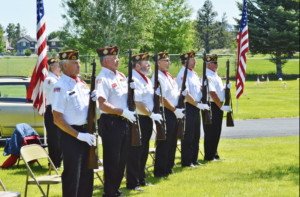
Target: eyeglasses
214,62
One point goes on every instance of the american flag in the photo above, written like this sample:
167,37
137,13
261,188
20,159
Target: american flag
35,90
243,48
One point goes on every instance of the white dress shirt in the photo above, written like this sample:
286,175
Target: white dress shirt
50,80
215,84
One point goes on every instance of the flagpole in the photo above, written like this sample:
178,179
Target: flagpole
237,105
44,103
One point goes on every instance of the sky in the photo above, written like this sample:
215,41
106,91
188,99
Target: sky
24,12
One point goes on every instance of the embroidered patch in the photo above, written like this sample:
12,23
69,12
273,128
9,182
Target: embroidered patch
181,78
209,80
49,82
114,85
122,79
99,80
56,89
85,87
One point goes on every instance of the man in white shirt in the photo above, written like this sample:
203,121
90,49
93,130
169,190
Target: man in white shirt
217,94
193,95
70,101
166,149
113,125
51,128
144,96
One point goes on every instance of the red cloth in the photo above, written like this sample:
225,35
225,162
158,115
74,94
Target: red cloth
10,161
75,78
144,77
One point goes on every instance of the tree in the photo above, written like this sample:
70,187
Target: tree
27,52
2,42
14,33
60,34
172,30
274,29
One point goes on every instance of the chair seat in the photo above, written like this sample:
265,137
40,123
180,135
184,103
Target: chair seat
100,169
178,143
9,194
48,179
100,162
151,150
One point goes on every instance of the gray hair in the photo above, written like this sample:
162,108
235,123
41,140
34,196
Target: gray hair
138,62
62,62
50,66
102,58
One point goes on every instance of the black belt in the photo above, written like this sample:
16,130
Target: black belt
143,116
114,116
79,126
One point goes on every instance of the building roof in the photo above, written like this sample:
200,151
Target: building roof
54,40
26,38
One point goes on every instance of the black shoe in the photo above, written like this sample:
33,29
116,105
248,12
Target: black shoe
160,176
138,189
119,193
212,160
219,158
146,184
197,163
170,172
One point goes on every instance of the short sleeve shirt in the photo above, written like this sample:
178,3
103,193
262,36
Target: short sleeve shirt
112,87
215,84
144,91
50,80
169,87
71,99
193,84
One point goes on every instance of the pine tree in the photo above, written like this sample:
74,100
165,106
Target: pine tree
2,42
273,29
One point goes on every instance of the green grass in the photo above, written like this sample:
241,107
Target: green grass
253,167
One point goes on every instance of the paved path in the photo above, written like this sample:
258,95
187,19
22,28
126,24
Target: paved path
254,128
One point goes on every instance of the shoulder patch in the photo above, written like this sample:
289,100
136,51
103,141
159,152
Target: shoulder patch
49,82
99,81
56,89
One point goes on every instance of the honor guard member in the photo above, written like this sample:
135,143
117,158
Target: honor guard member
113,124
144,95
193,95
51,128
70,101
212,132
165,149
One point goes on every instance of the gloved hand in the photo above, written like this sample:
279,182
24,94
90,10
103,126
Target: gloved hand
156,117
132,85
203,106
184,93
157,92
94,95
228,86
129,115
226,108
88,138
179,113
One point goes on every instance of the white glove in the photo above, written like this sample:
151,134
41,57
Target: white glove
129,115
203,106
184,93
179,113
226,108
88,138
157,91
94,95
132,85
228,86
156,117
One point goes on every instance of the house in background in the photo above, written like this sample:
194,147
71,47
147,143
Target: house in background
54,44
25,43
7,47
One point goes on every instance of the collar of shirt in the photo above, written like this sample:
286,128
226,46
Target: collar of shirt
143,76
50,74
192,71
208,71
68,78
107,71
167,74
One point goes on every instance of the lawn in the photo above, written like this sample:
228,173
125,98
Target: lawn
253,167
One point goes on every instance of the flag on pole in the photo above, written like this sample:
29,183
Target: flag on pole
243,48
258,81
35,90
268,79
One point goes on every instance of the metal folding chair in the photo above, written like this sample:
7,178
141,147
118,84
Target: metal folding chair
5,193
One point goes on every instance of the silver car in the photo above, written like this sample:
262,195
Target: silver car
15,108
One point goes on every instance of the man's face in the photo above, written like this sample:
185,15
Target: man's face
164,64
112,62
145,67
192,63
72,69
55,69
214,66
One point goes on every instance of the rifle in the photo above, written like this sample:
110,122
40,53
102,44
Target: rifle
206,113
160,127
180,123
135,127
92,124
228,98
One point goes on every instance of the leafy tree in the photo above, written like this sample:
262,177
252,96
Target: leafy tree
27,52
14,33
59,34
274,29
2,42
172,30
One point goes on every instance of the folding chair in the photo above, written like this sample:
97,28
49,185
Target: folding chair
152,155
5,193
96,171
34,152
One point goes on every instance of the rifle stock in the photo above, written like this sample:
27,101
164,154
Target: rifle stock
229,121
180,123
135,129
160,127
206,117
93,153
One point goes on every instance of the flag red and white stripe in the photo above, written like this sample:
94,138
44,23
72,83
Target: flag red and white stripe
243,48
35,90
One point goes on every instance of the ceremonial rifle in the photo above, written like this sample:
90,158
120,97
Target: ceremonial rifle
160,127
206,113
92,124
135,127
228,98
180,122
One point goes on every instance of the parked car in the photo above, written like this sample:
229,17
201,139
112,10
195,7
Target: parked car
15,108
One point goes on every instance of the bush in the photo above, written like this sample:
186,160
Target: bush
27,52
